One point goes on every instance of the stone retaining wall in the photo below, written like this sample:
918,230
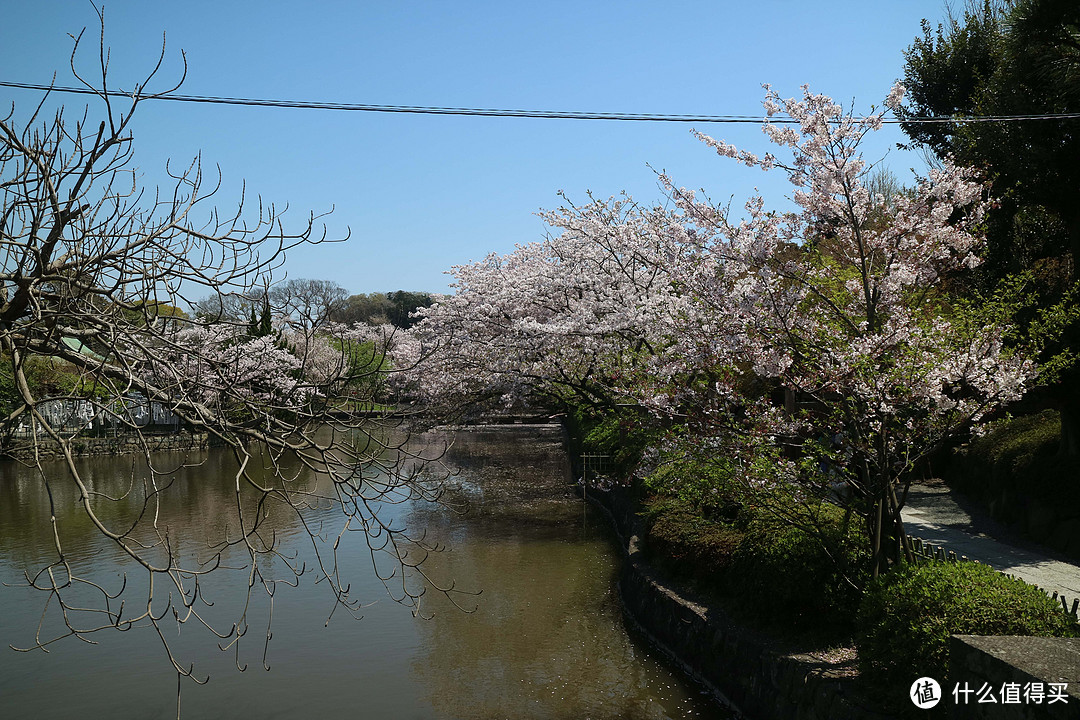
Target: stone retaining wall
120,445
1022,661
737,665
1056,524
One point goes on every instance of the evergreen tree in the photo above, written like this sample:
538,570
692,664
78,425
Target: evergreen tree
1010,58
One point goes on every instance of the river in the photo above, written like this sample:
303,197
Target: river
544,638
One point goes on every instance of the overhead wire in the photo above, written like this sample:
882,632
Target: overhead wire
502,112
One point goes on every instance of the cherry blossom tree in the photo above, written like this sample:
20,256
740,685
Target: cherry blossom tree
844,301
576,315
703,317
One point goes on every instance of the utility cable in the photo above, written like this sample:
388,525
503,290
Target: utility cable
496,112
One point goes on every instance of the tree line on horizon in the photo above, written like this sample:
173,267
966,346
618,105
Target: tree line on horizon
315,302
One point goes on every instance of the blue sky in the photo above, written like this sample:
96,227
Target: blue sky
423,193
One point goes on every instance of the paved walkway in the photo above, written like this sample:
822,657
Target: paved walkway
940,516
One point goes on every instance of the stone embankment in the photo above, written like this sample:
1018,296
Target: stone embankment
764,681
1023,663
745,670
118,445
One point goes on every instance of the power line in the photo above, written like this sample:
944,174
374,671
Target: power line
496,112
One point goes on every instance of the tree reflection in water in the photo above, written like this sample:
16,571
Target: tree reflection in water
546,639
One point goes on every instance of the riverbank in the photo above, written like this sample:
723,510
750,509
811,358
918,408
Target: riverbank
87,446
758,676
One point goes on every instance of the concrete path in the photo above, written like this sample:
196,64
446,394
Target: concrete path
945,518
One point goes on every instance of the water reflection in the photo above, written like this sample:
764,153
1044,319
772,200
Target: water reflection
546,638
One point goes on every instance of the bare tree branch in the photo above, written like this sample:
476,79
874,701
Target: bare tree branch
94,273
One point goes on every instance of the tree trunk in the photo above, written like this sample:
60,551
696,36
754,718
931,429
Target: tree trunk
888,539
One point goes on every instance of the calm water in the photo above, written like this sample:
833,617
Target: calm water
544,639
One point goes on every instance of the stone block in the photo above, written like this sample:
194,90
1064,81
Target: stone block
996,660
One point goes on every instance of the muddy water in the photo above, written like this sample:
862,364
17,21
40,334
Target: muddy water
543,638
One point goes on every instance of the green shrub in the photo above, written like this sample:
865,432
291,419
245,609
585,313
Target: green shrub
907,616
704,483
1017,441
680,539
622,437
807,576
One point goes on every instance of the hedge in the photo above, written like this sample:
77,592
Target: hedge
907,616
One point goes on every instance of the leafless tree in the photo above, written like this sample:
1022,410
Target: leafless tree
229,307
93,270
307,303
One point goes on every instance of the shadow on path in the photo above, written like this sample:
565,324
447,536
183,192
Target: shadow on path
944,517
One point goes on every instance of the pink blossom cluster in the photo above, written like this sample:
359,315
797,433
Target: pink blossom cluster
575,312
221,366
843,298
679,308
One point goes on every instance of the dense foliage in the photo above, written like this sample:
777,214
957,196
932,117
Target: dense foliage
1001,59
1018,460
800,577
394,308
1016,58
907,616
689,545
